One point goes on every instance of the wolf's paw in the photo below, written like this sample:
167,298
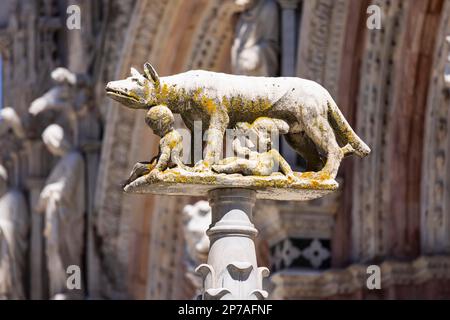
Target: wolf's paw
291,178
321,175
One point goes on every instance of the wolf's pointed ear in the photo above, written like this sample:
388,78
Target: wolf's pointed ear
135,73
150,73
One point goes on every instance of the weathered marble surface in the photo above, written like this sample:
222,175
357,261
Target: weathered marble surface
232,272
176,181
256,42
14,227
62,200
10,119
197,220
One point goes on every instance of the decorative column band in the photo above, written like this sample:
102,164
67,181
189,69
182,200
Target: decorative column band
232,213
232,271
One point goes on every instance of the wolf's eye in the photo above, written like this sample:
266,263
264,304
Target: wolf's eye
137,81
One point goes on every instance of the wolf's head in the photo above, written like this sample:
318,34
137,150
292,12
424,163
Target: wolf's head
137,91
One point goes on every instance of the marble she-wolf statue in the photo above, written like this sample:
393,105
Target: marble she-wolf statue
317,129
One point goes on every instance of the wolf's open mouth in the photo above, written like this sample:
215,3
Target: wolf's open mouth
119,94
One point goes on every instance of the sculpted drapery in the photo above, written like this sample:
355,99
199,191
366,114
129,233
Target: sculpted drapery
62,202
256,44
14,226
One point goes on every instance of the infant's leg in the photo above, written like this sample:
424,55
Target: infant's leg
239,165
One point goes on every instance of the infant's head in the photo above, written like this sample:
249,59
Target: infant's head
160,119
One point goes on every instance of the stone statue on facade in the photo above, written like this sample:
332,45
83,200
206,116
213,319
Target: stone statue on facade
197,220
14,214
62,200
14,227
255,48
69,96
9,119
65,94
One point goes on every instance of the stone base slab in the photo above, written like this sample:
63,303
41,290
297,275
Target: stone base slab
307,186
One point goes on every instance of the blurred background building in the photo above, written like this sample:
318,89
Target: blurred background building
392,210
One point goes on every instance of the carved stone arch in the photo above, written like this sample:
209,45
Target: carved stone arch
391,107
376,94
114,210
134,230
435,198
329,32
321,39
213,37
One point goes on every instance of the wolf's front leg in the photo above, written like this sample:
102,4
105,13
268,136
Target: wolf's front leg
214,142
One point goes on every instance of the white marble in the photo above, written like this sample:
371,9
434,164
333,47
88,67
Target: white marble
231,272
14,226
62,200
256,43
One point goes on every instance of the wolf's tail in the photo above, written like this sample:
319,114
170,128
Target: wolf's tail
344,129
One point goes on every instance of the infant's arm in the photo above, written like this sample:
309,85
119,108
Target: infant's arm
177,149
164,156
241,151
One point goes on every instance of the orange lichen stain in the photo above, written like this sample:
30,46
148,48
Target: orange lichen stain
170,94
147,90
209,105
165,90
315,183
308,175
316,178
324,176
290,179
151,166
173,143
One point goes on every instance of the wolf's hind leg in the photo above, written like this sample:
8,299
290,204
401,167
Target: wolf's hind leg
322,134
306,149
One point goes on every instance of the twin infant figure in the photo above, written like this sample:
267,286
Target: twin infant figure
247,162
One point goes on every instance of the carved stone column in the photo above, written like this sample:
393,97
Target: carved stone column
35,183
37,263
232,271
288,60
91,151
288,36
